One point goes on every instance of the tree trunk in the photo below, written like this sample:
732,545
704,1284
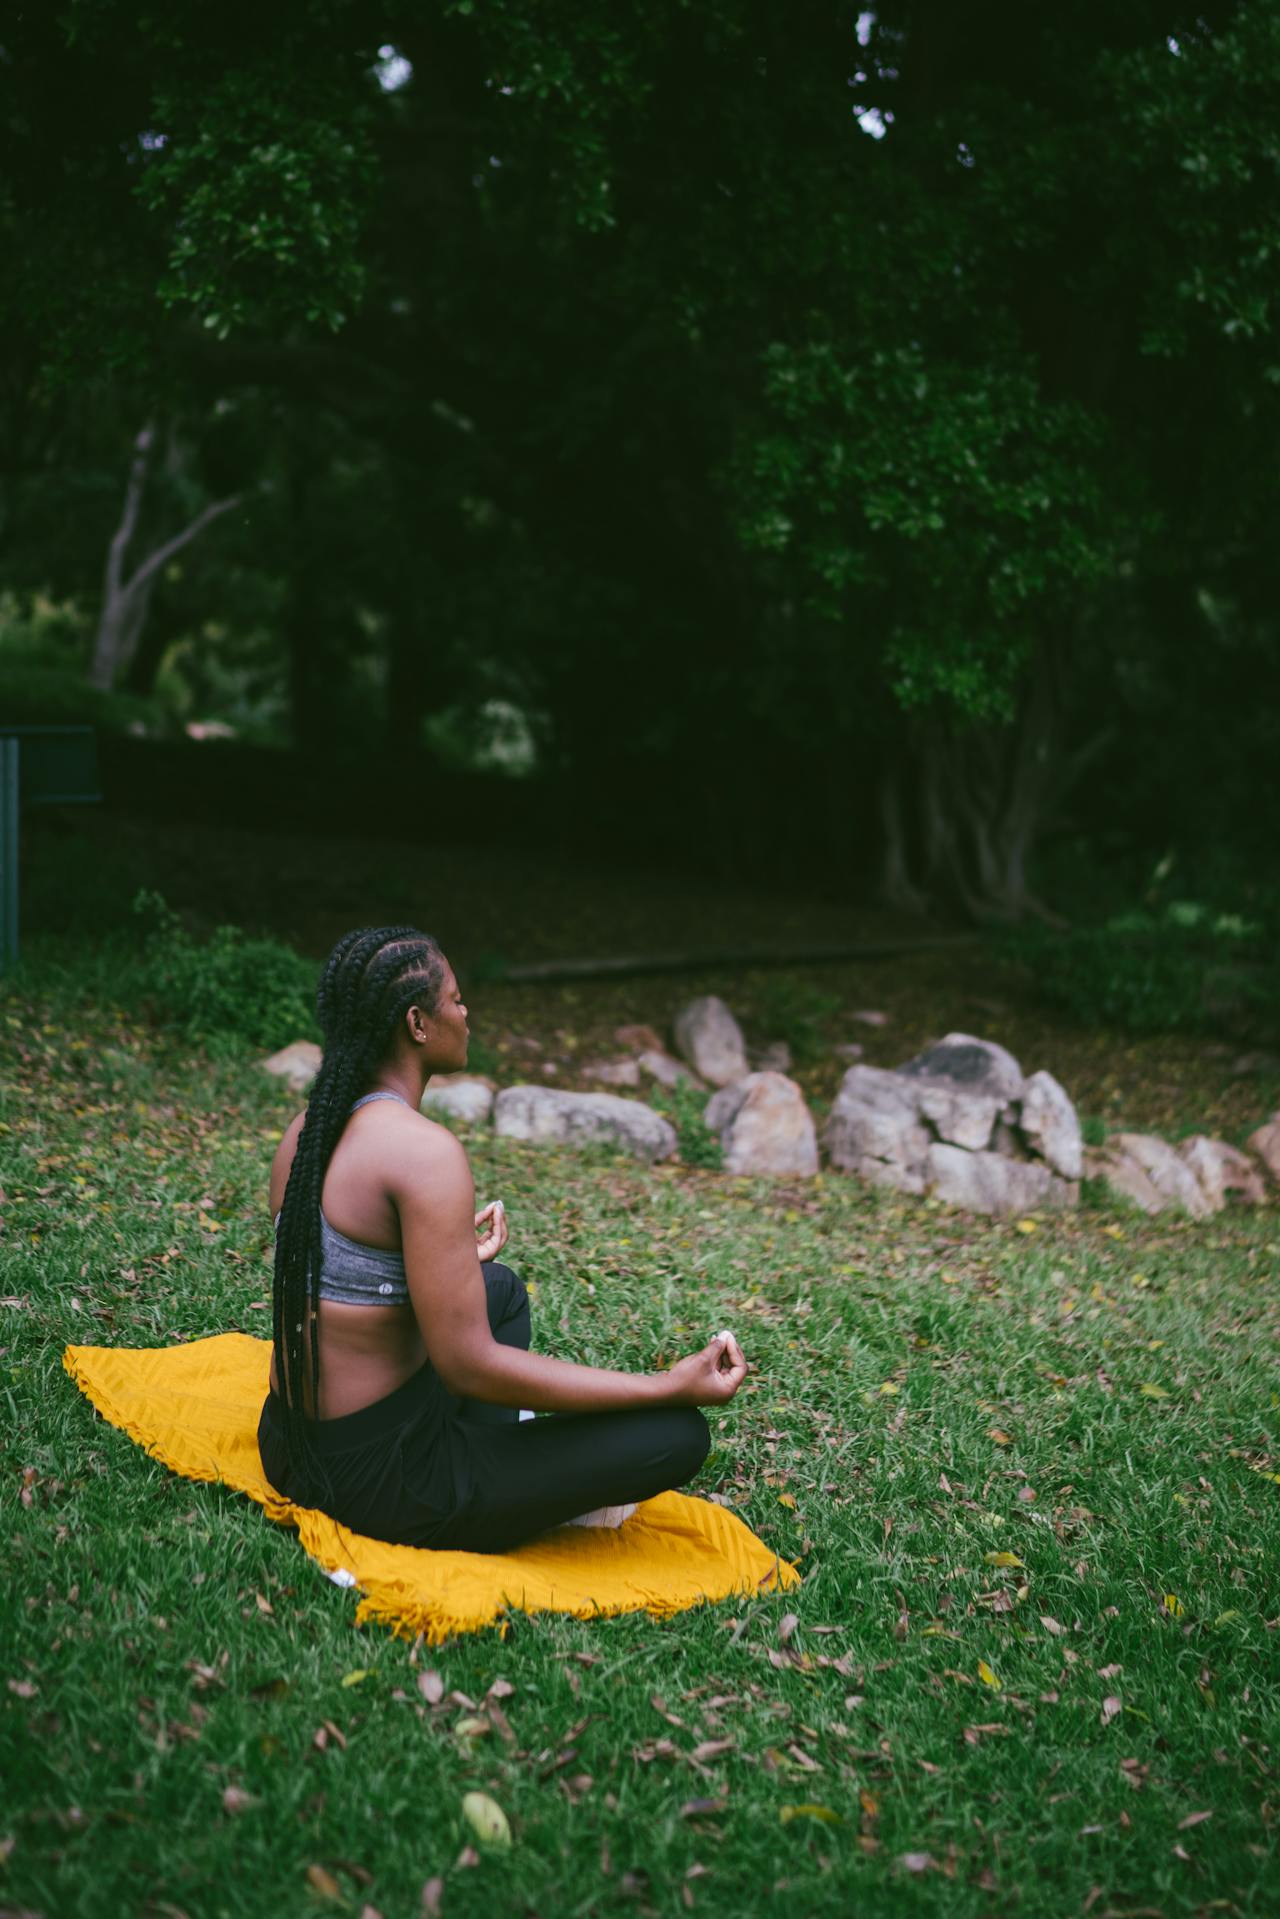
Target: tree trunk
981,796
125,602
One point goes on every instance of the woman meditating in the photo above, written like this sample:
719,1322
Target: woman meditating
401,1347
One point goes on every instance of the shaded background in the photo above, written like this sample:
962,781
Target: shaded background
829,454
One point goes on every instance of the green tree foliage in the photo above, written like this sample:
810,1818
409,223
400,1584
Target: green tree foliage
897,382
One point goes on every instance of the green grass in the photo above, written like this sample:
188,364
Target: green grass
163,1642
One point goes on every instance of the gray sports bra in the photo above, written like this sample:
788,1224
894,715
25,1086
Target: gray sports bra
353,1274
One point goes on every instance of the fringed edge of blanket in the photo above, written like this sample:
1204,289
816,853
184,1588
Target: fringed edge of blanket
408,1618
97,1395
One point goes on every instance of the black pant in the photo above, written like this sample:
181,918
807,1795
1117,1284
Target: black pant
423,1468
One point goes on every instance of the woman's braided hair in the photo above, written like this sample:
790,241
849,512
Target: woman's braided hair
370,980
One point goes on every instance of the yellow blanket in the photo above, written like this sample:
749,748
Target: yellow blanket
195,1408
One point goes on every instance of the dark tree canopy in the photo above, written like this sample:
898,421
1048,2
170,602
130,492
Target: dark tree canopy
885,397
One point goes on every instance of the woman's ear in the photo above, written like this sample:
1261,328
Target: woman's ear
415,1021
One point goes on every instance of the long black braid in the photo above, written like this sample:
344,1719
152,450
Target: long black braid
370,980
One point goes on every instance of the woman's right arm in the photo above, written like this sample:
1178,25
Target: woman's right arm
430,1182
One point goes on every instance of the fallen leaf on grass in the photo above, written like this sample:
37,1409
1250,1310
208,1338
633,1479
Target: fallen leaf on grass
1001,1559
1110,1707
1172,1605
988,1677
23,1688
432,1898
1001,1437
869,1803
263,1603
1109,1672
431,1686
500,1689
1134,1774
487,1820
357,1677
1150,1391
917,1862
323,1882
1051,1625
703,1808
1194,1819
710,1749
235,1800
822,1813
786,1626
785,1499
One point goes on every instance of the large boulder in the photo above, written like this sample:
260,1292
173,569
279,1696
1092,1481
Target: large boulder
1146,1169
710,1038
764,1126
963,1099
874,1129
1222,1172
976,1066
1048,1124
459,1096
547,1114
1265,1143
990,1183
296,1064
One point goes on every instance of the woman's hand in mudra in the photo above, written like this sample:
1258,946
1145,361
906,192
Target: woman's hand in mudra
711,1377
492,1221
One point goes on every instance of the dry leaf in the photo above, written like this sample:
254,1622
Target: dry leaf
235,1799
500,1689
355,1678
786,1626
710,1749
1001,1559
917,1862
263,1603
433,1898
487,1820
1001,1437
323,1882
869,1803
1194,1819
785,1499
1110,1707
703,1808
1051,1625
431,1686
988,1677
822,1813
1152,1392
1172,1605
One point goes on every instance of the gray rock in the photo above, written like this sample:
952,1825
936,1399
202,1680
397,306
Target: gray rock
849,1050
658,1065
1048,1123
764,1126
1147,1170
613,1072
459,1097
989,1183
550,1115
874,1129
297,1063
957,1117
710,1039
1222,1170
977,1066
1265,1144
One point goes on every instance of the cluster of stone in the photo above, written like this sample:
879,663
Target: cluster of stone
960,1122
